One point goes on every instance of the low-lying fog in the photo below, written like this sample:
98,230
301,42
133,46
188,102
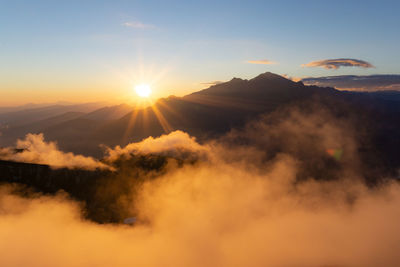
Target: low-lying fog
266,195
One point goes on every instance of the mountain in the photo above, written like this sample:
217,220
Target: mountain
28,106
10,134
234,103
28,116
209,112
22,107
17,124
216,110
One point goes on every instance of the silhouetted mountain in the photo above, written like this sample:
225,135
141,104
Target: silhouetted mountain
9,109
208,112
18,128
29,106
10,134
264,85
216,110
28,116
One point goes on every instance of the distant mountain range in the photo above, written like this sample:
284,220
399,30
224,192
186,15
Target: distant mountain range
205,114
17,124
33,114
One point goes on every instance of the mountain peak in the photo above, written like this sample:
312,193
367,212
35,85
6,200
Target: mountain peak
269,76
259,87
234,79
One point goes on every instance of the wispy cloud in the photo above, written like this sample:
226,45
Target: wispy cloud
211,83
261,61
138,25
293,78
339,62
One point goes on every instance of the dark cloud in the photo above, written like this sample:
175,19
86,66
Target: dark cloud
339,62
357,83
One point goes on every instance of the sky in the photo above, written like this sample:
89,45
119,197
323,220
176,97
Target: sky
84,51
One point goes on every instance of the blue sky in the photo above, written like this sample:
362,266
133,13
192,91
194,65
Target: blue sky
96,50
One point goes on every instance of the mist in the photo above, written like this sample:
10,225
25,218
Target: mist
265,195
34,149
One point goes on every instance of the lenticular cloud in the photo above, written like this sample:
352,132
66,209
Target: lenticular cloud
340,62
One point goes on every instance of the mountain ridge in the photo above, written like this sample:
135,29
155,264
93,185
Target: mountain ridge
220,108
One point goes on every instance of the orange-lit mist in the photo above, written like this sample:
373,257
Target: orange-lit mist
228,209
36,150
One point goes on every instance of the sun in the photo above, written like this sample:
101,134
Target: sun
143,90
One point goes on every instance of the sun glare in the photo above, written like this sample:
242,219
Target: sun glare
143,90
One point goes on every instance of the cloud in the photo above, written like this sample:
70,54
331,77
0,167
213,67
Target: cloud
211,83
295,79
34,149
357,82
138,25
337,63
262,61
175,144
